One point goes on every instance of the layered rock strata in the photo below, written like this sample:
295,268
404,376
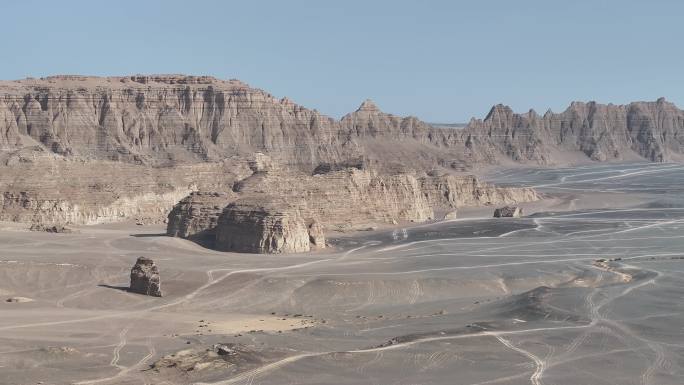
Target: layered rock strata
345,198
162,118
270,206
263,226
43,188
599,132
196,216
450,191
85,150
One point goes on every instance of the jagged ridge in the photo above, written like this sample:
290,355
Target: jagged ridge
652,130
160,118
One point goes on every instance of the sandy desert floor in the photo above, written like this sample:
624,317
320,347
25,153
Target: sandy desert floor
587,289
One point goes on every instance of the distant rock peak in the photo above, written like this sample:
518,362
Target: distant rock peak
601,131
499,110
368,105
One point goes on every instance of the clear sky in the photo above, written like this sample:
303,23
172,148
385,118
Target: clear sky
443,61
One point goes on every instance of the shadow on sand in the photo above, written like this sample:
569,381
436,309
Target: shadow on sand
122,288
148,235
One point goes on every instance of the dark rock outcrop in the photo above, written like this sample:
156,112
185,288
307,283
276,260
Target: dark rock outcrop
324,168
57,228
316,235
508,212
145,278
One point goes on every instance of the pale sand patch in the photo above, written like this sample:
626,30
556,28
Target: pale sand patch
210,323
241,323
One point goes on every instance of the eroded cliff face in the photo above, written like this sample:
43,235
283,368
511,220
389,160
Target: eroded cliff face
647,130
162,119
445,191
346,198
40,187
87,150
196,216
262,225
278,203
173,118
354,199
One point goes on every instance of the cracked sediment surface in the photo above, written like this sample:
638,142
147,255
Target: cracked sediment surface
579,291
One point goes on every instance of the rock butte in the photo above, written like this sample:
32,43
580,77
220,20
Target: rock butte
145,278
278,210
86,150
262,226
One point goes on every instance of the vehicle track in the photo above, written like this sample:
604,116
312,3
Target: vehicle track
117,350
540,365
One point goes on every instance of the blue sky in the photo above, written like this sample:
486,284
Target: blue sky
443,61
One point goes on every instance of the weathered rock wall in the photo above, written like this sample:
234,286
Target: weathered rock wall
262,226
89,150
269,207
196,216
53,189
447,191
344,199
160,119
649,130
175,118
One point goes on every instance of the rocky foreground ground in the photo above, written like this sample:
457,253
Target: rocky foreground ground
575,291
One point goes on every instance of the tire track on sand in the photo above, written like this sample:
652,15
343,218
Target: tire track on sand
540,365
250,375
117,350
